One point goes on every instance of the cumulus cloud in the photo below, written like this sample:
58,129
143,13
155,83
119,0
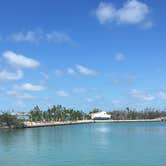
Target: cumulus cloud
119,57
19,91
31,87
141,95
132,12
62,93
86,71
20,60
11,76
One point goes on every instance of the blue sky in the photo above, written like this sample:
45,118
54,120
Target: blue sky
82,54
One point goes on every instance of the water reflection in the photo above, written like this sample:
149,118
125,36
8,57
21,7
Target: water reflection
89,144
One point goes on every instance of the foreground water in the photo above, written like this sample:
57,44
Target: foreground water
107,144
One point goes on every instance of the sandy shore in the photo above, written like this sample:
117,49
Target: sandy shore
29,124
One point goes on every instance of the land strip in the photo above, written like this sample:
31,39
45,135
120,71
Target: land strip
29,124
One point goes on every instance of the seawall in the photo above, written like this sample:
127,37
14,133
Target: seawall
29,124
47,124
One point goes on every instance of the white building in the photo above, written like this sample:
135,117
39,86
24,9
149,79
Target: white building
100,116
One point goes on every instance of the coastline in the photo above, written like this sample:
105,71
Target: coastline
29,124
137,120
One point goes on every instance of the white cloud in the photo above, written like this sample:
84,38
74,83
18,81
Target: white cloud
37,36
132,12
11,76
85,70
18,91
119,57
29,36
20,60
62,93
58,73
17,94
105,12
79,69
71,71
58,37
141,95
30,87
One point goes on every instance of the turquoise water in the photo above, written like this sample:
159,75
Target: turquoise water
107,144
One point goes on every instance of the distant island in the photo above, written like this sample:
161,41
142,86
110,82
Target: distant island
62,115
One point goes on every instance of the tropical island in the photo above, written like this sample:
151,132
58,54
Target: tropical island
59,115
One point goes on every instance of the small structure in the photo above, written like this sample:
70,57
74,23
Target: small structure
100,116
23,116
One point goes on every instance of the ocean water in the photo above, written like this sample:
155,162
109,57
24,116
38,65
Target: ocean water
105,144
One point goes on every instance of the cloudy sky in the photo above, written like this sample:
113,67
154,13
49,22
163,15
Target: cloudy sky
82,54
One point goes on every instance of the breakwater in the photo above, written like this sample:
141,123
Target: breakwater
29,124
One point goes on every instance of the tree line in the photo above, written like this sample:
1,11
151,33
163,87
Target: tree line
7,120
133,114
60,113
57,113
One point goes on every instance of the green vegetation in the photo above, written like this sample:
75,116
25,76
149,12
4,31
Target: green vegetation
132,114
10,121
60,113
57,113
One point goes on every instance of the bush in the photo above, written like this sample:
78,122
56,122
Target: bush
10,121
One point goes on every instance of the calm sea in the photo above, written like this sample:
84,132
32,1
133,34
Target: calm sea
106,144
